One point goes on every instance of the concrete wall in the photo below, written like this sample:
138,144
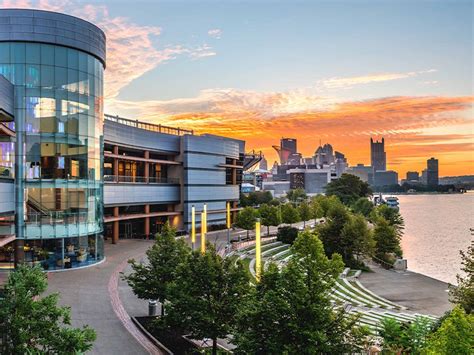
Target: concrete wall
134,194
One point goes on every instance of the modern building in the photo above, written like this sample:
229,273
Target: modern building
324,155
385,178
364,172
55,64
69,178
313,181
287,149
412,176
432,172
378,157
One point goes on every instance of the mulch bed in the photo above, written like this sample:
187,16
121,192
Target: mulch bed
172,340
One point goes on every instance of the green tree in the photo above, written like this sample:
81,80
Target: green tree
363,206
391,215
348,188
34,324
289,214
270,216
326,203
206,295
304,211
151,279
330,232
387,241
255,330
291,312
246,219
356,241
454,336
316,208
255,198
405,337
296,195
463,293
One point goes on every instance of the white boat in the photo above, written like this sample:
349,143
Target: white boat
392,202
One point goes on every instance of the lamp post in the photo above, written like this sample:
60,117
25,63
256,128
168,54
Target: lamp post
193,226
228,222
203,229
258,251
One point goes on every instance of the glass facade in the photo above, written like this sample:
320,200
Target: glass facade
59,138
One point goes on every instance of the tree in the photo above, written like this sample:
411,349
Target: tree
256,331
289,214
463,293
151,280
305,212
405,337
206,295
255,198
316,208
326,203
246,219
363,206
356,240
348,188
387,241
330,232
34,324
296,195
291,312
391,215
270,216
454,336
287,234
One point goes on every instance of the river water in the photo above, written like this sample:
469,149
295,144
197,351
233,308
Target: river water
436,228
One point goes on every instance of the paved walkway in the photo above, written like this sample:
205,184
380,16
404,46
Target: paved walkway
99,299
421,294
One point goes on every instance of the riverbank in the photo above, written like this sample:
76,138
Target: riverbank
419,293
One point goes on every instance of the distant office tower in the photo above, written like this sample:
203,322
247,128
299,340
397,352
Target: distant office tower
341,163
385,178
378,157
413,176
324,155
432,178
263,164
364,172
287,148
424,177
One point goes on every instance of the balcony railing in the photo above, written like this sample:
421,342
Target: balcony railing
140,179
149,126
58,217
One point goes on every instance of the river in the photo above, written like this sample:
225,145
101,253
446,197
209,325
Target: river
436,228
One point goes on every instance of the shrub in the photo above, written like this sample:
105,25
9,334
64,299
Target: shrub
287,234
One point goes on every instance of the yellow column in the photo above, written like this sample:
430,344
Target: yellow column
228,215
193,225
258,251
203,232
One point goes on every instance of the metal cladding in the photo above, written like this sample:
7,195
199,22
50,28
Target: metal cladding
23,25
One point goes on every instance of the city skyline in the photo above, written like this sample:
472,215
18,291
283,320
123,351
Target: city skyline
244,70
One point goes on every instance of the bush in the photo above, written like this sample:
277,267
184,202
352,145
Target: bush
287,234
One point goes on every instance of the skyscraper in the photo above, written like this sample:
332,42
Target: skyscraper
432,178
287,149
378,157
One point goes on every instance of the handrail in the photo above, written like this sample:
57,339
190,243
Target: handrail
148,126
140,179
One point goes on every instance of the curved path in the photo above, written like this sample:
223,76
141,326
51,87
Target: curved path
99,298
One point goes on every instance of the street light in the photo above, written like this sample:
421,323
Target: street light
258,251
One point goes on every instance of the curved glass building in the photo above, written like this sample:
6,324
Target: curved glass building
56,64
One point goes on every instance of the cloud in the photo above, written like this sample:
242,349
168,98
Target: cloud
131,51
349,82
215,33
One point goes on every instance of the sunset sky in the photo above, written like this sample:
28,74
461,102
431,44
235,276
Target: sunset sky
336,71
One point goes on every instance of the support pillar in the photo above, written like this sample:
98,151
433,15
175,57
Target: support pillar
147,166
116,164
147,222
115,233
19,252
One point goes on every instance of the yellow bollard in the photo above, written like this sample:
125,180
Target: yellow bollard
193,225
258,251
203,232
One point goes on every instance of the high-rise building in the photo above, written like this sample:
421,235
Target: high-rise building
287,150
432,174
413,176
378,157
324,155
